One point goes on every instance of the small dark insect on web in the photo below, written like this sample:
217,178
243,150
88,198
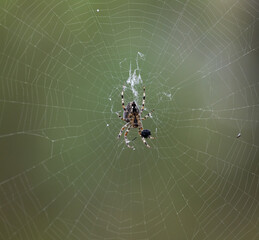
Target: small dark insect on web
145,134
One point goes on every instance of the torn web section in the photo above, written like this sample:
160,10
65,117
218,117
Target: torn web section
135,76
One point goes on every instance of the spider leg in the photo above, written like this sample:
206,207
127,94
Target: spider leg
143,139
143,101
148,115
123,119
122,129
122,99
126,139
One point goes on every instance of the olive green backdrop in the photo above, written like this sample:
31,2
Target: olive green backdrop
65,175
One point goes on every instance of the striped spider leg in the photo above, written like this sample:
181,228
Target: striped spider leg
148,115
122,99
120,117
126,138
143,101
122,129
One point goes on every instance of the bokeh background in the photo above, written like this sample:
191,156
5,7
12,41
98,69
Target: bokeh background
63,173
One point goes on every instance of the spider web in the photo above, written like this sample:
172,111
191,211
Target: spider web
64,175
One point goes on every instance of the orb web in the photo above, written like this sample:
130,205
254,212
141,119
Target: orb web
64,175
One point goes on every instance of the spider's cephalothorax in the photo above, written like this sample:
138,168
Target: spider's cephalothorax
132,117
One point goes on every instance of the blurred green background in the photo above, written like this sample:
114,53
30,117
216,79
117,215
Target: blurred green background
63,173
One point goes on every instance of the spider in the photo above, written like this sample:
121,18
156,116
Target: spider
132,117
